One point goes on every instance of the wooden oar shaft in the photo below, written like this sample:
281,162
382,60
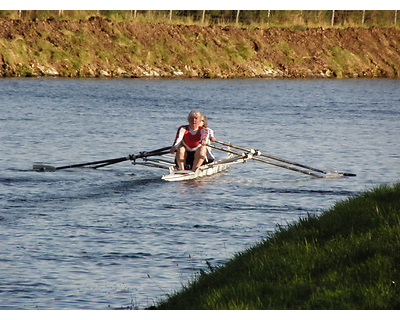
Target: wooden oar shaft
93,163
258,153
289,168
227,150
250,156
272,157
108,163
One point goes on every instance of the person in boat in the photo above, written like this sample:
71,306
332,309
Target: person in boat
209,155
190,143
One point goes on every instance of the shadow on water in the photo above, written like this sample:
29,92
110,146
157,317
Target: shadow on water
26,189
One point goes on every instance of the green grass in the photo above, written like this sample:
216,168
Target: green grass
347,258
342,59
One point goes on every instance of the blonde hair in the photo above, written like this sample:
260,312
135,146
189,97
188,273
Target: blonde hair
204,121
195,113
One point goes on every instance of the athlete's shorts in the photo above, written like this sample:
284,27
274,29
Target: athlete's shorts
190,159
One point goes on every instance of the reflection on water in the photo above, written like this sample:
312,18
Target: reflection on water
120,237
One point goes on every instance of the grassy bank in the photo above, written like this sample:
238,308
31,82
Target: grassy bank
347,258
99,47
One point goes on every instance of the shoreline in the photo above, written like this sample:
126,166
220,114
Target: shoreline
101,48
344,259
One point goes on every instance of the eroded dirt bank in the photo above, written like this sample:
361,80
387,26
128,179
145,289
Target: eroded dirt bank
102,48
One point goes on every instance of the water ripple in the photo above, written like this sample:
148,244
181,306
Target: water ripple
121,238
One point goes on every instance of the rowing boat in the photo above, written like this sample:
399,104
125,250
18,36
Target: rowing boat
167,161
161,158
203,171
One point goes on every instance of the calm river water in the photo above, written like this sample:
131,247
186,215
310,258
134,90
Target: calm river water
119,237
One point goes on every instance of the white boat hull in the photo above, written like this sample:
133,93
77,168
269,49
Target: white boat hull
203,171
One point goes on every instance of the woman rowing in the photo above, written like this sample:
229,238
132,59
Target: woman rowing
190,143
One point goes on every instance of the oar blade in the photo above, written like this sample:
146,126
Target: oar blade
338,174
347,174
43,167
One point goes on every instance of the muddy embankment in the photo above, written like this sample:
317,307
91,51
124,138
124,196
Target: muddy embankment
102,48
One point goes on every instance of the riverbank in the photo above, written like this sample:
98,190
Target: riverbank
99,47
347,258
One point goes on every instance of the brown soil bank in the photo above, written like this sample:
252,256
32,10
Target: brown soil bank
102,48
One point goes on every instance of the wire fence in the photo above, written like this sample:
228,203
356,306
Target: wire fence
297,19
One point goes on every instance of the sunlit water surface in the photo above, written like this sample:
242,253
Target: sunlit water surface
119,237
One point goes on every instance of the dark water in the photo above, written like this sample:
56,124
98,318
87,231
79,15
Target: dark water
119,237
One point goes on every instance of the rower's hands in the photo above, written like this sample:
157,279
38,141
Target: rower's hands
202,142
213,139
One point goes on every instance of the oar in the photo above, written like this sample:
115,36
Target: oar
145,154
283,160
134,157
102,163
251,153
40,167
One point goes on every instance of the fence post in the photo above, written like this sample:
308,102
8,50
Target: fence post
237,16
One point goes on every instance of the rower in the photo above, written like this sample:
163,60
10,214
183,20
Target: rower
211,137
190,143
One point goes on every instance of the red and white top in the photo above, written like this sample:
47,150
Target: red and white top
189,138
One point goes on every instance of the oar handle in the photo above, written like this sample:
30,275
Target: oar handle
144,154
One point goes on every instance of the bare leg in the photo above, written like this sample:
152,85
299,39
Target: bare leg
199,157
180,157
